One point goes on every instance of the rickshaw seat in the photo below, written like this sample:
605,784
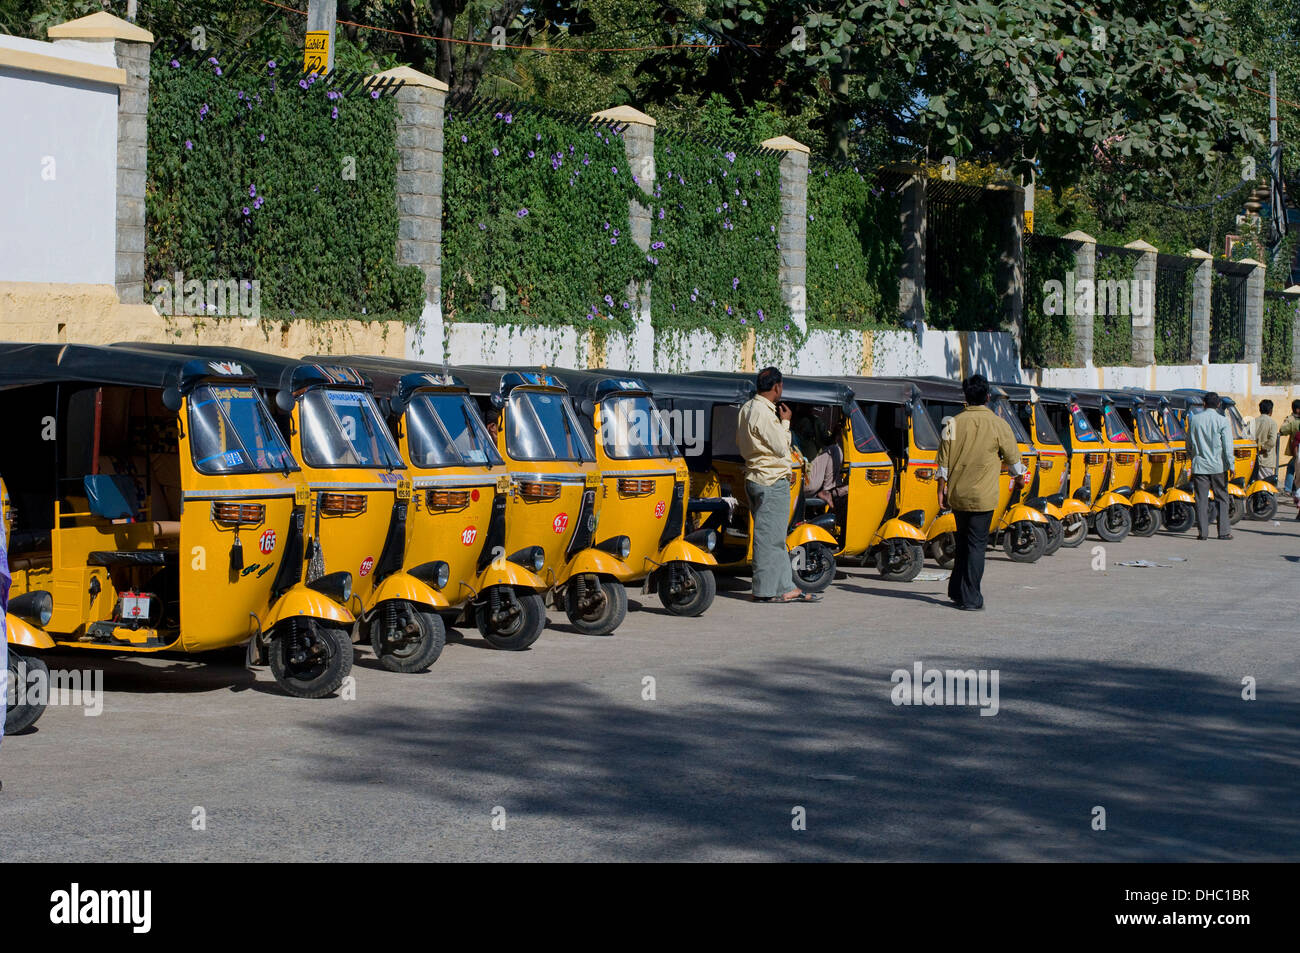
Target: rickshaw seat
131,557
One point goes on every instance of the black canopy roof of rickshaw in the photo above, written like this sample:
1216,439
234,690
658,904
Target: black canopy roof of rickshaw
712,389
933,388
390,375
1021,392
273,371
1199,394
881,390
484,379
597,385
1180,398
801,390
1093,398
24,365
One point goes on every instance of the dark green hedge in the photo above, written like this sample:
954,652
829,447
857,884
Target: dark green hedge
1048,339
537,209
1112,334
854,251
246,181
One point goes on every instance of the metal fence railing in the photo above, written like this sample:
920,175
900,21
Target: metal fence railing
1228,312
1114,294
1048,338
1280,312
1175,282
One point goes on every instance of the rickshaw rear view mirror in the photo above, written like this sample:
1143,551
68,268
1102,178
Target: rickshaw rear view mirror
495,399
284,400
587,406
171,399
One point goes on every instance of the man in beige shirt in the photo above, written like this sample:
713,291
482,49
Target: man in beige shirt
763,436
1266,438
974,446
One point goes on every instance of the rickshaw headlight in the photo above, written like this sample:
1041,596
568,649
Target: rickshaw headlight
435,573
36,607
620,546
336,585
532,557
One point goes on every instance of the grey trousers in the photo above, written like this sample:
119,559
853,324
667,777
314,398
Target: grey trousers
1203,483
770,508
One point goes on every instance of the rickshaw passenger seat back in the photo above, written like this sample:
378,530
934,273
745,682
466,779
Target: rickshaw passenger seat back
110,495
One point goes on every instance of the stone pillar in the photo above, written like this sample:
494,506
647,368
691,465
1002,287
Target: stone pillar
131,47
1254,322
792,233
1010,275
1142,304
639,146
911,279
420,110
1201,305
1081,298
1294,291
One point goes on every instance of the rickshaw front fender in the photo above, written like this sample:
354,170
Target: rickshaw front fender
406,588
1142,496
1260,486
505,573
946,523
809,533
594,561
1108,500
21,632
1072,507
1175,495
301,601
680,551
901,529
1023,513
1234,490
1052,510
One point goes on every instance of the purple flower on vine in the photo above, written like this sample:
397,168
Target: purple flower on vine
531,153
374,94
252,191
261,137
464,138
270,64
496,151
521,213
246,212
189,144
176,64
302,83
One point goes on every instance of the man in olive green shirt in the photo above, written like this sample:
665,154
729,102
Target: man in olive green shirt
974,446
1266,440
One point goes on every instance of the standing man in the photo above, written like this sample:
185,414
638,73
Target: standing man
1291,430
1209,441
975,444
763,436
1266,439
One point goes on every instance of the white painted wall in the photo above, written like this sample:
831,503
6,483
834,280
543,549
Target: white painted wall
62,229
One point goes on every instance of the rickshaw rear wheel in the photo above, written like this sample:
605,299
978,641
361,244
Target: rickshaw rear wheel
816,570
1055,535
1261,506
943,550
419,643
901,566
1025,542
19,718
598,609
1236,509
526,620
1179,516
696,594
309,658
1074,531
1146,519
1114,523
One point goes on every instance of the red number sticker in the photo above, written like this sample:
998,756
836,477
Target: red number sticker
468,534
561,523
659,510
267,543
367,564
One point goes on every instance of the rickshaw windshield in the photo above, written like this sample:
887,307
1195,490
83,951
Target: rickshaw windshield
1173,425
1147,430
864,438
342,428
1043,428
1238,425
1003,409
231,431
923,432
1115,427
444,430
541,425
633,428
1083,431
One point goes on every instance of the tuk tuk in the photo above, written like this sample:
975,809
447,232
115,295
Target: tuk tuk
1250,495
359,504
137,481
1051,482
24,634
555,503
459,501
644,479
1168,410
1020,529
718,501
1140,458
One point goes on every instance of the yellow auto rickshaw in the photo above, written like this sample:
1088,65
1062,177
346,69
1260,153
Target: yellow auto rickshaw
555,499
459,504
25,636
159,509
1250,495
1178,504
1139,458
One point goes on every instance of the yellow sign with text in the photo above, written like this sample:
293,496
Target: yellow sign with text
1029,221
316,54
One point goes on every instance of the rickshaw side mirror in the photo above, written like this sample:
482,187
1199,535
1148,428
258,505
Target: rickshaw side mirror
284,401
587,407
171,399
496,400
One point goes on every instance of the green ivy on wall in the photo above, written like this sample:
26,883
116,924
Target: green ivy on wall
1280,313
1048,339
535,223
854,251
714,246
261,174
1112,334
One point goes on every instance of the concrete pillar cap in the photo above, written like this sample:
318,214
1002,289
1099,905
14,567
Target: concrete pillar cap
99,26
1199,253
1140,245
627,114
1251,261
785,144
1078,236
1293,290
411,77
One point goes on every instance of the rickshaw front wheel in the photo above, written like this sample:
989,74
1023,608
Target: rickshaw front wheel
405,636
1179,516
595,606
902,564
815,569
510,619
1025,542
943,550
20,717
1074,531
310,659
1262,506
1114,523
697,591
1055,535
1146,519
1236,509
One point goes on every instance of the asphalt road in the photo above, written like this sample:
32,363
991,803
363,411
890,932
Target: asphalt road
1118,688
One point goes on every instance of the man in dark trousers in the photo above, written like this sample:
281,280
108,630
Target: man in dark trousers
974,446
